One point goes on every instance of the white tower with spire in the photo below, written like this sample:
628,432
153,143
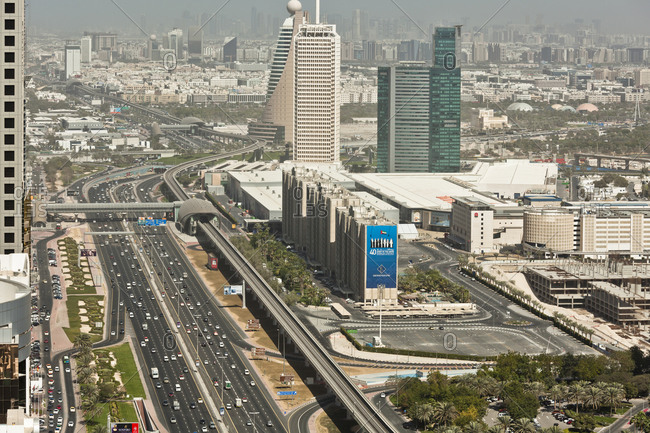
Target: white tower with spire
317,92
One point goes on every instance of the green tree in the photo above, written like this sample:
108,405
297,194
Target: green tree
444,413
523,425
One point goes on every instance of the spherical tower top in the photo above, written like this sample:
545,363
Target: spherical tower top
294,6
152,37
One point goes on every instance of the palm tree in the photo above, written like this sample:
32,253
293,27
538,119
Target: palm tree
575,393
523,425
444,413
474,427
613,395
553,429
82,341
494,429
556,393
592,396
504,422
536,388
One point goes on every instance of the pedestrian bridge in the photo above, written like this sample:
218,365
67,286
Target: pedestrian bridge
114,208
184,211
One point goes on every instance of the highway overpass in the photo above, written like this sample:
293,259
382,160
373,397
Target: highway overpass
359,407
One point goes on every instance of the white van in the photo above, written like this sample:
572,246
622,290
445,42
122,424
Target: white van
178,387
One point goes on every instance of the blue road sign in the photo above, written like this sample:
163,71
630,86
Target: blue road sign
287,392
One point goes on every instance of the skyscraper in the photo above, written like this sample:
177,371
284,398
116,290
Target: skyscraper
403,118
175,40
72,60
230,50
277,119
195,44
444,154
317,93
13,133
86,49
418,111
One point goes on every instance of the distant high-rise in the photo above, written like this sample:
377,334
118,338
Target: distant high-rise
317,93
175,40
103,41
230,50
195,44
444,155
86,49
13,132
72,60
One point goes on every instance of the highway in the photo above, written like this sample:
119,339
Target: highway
132,295
348,394
198,306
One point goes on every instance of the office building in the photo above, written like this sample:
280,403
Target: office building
230,50
86,49
13,133
317,93
444,153
349,235
403,118
277,120
418,111
195,44
72,61
175,41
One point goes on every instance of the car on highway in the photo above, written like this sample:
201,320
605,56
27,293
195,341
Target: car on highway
252,383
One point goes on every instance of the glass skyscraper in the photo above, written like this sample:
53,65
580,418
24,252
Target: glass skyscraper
444,153
418,111
403,125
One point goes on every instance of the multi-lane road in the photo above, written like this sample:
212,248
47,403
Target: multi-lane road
148,262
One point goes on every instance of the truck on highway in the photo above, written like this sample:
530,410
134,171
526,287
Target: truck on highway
238,402
227,385
154,373
176,405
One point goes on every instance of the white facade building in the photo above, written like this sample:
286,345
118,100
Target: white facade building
72,61
86,49
317,96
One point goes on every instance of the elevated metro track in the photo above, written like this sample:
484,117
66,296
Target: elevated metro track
363,411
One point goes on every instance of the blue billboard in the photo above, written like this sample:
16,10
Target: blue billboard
381,256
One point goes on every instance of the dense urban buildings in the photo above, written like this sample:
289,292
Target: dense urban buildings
317,93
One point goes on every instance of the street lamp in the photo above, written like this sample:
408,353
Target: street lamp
254,413
221,383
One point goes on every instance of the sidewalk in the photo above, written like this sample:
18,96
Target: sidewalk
341,345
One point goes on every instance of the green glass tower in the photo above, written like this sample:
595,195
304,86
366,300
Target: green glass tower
418,111
444,153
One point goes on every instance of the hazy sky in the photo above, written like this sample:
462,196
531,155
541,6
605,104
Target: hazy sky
630,16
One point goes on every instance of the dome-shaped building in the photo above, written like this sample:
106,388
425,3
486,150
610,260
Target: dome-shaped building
556,107
568,108
519,106
586,108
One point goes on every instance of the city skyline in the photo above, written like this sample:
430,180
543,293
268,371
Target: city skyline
149,15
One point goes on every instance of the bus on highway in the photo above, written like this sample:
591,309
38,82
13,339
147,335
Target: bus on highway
227,385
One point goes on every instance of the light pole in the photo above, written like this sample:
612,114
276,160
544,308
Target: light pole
222,385
254,413
381,288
